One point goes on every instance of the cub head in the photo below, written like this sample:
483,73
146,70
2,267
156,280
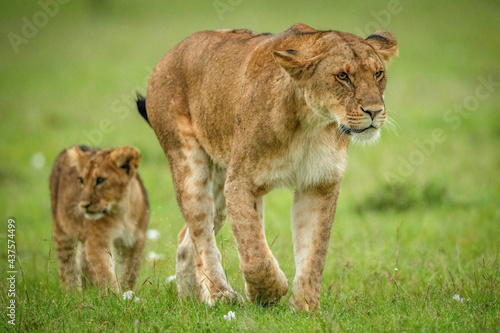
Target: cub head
343,78
103,176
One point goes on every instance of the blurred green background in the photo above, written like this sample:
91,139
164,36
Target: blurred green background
426,194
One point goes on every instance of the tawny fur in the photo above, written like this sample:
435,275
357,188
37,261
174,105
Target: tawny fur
98,204
239,113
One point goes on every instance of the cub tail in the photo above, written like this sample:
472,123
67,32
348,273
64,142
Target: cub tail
141,106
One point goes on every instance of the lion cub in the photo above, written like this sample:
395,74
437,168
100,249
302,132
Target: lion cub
98,203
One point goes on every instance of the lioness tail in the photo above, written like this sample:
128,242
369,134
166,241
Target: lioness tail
141,106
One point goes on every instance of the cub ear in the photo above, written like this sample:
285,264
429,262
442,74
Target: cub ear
297,68
127,158
301,27
384,43
76,157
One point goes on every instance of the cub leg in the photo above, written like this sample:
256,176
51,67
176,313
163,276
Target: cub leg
69,272
101,264
82,264
130,262
265,283
312,217
66,248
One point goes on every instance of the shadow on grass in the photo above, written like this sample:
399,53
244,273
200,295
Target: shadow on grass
405,196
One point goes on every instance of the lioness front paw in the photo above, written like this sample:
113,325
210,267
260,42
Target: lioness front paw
299,303
227,296
269,291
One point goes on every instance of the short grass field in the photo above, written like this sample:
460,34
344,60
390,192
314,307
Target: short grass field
416,240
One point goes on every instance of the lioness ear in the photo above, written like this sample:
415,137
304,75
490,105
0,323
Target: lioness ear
384,43
127,158
296,67
76,157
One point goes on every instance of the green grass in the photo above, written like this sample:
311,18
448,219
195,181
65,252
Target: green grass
417,219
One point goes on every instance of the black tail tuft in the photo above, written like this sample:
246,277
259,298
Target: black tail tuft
141,106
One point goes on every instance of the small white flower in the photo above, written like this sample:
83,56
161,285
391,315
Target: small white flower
128,294
152,256
396,269
457,298
153,234
170,279
230,316
38,161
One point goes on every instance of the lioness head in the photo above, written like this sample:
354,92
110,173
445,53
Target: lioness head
343,78
103,177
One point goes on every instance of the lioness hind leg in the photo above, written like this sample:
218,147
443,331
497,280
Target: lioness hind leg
185,271
186,260
218,181
191,172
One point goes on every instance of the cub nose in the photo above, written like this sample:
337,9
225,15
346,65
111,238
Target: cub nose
372,110
85,204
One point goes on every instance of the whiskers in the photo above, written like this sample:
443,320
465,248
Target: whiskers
391,124
341,133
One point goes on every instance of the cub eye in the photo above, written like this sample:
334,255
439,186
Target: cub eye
343,76
379,74
99,180
80,179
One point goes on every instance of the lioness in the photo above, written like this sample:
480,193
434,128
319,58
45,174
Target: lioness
238,114
98,203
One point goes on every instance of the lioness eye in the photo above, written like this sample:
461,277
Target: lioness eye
343,76
100,180
80,179
379,74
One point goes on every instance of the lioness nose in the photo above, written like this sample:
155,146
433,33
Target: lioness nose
372,111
